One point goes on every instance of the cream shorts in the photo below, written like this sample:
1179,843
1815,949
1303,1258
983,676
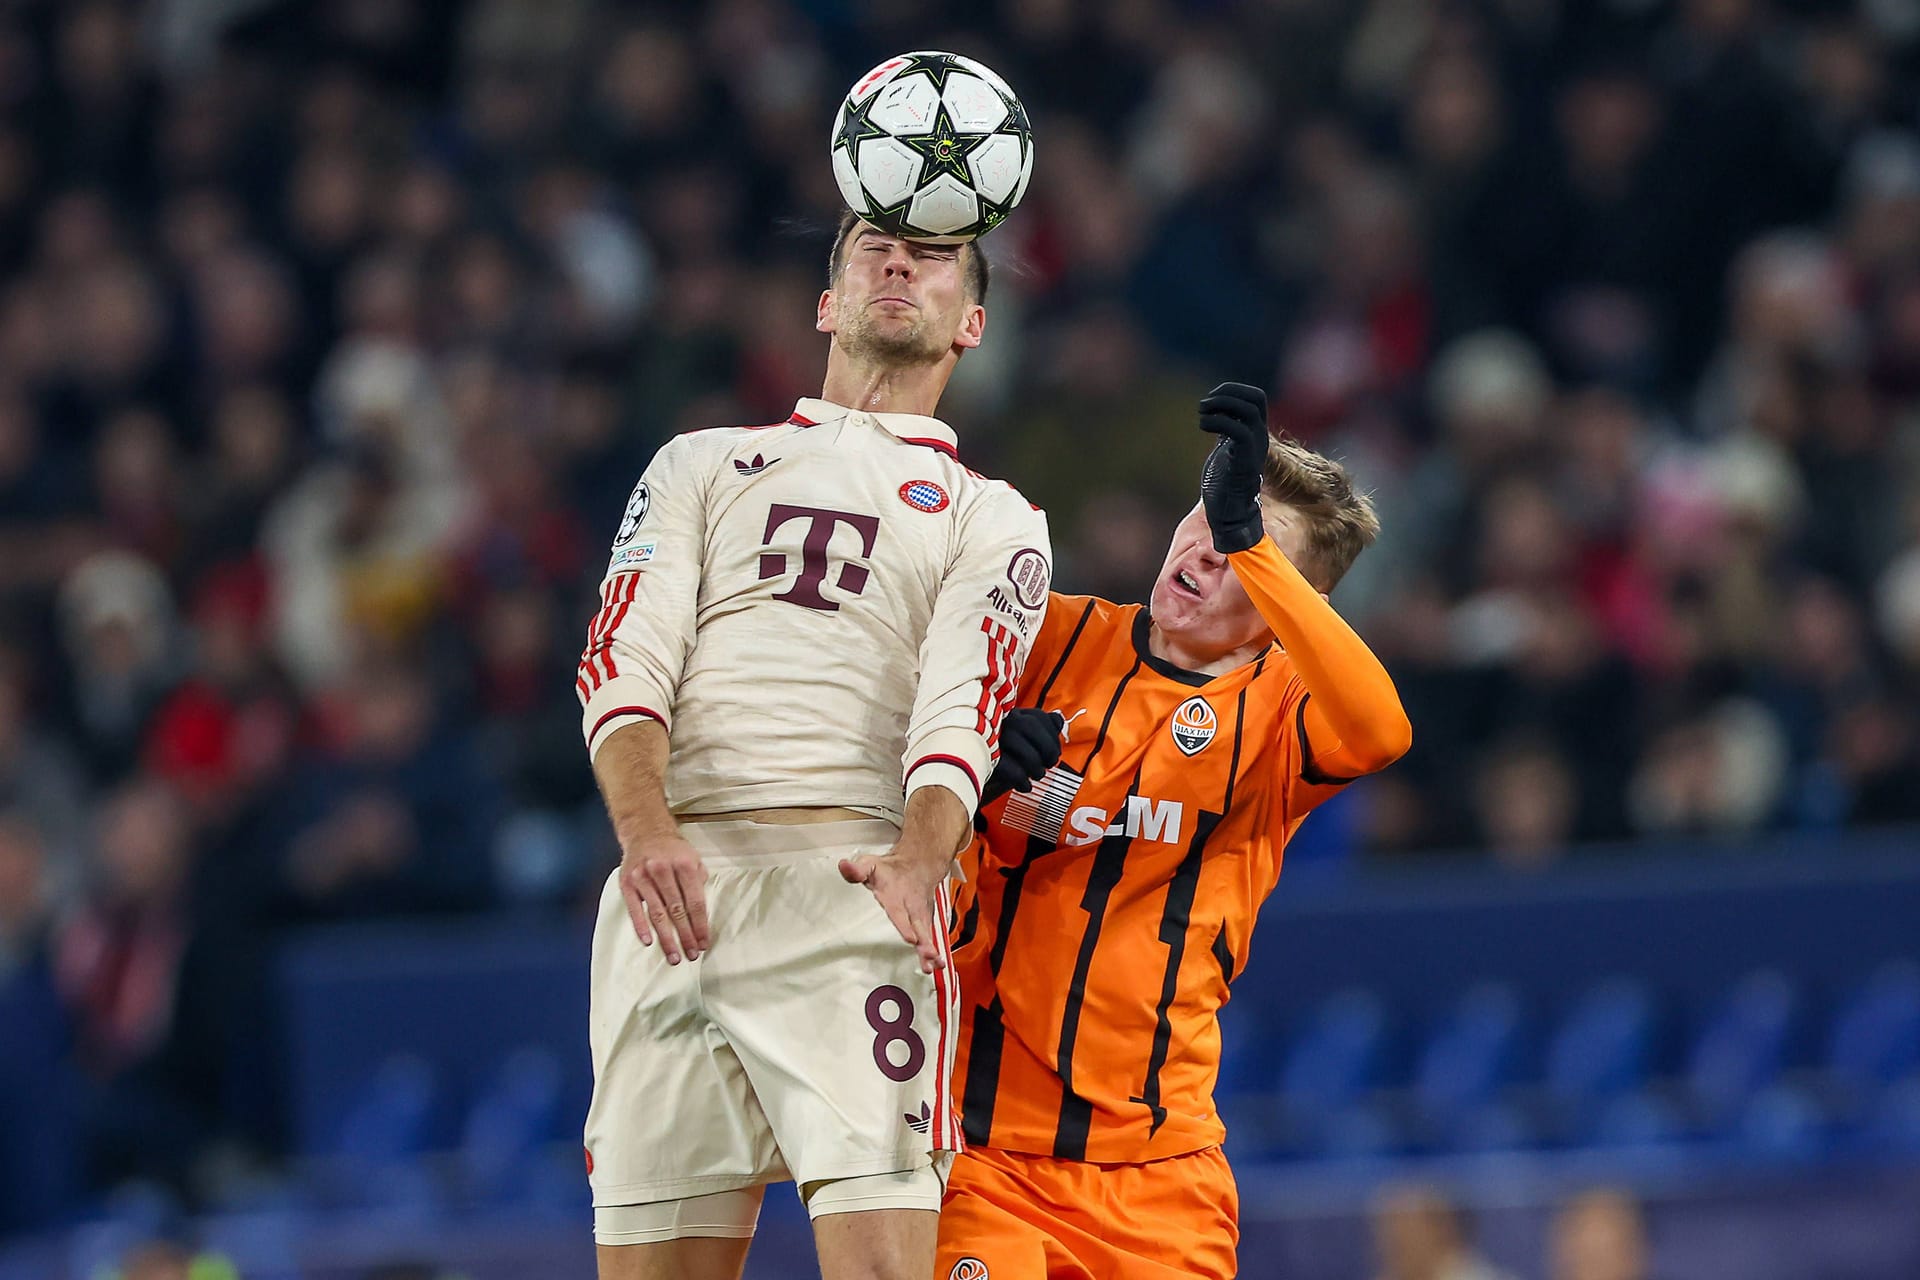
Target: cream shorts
804,1044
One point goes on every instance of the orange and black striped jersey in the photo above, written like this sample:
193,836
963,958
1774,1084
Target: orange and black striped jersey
1106,911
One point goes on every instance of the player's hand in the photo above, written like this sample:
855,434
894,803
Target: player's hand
1230,486
1029,746
664,883
907,882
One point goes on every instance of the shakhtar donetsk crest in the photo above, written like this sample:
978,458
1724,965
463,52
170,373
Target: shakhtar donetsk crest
1193,725
968,1269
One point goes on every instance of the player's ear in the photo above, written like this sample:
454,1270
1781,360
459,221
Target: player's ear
973,326
823,313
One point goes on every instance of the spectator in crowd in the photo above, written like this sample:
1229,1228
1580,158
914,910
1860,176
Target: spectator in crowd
1599,1235
1419,1234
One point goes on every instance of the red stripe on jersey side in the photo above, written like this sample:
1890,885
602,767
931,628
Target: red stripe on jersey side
617,712
992,679
955,761
627,592
997,690
588,675
943,988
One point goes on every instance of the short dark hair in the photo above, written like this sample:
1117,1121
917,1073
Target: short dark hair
972,256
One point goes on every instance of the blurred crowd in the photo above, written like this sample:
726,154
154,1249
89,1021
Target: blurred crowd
333,335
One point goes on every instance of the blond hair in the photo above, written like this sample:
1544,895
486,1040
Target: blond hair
1339,521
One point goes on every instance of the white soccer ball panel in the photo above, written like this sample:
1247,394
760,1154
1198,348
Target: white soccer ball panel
907,105
972,104
847,178
943,206
996,167
1026,174
889,170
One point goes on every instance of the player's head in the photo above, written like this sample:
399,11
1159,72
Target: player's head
1320,521
901,302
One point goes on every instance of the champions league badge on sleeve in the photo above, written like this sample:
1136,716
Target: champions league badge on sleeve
636,513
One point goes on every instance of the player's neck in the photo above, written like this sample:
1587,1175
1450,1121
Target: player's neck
1204,661
878,388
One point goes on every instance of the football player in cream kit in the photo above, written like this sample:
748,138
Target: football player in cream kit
808,636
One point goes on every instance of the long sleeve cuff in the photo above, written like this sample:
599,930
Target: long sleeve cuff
619,702
952,758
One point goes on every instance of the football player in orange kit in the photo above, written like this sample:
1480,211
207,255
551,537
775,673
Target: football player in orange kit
1161,759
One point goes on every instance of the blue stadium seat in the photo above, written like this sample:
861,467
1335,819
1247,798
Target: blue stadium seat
1783,1123
509,1125
1875,1039
1471,1054
1739,1048
1601,1049
1638,1121
1895,1126
1332,1064
383,1137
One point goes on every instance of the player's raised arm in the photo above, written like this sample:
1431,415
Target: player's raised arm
1352,720
636,649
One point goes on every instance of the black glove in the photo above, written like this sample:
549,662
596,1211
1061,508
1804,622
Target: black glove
1029,746
1230,486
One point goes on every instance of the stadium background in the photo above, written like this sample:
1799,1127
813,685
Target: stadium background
332,336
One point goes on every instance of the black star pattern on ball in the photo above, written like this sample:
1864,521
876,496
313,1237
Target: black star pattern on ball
938,66
945,149
856,124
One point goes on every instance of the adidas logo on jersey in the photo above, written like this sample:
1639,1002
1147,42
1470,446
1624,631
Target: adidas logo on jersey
754,468
922,1122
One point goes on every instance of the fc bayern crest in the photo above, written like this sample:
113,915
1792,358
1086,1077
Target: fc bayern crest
924,495
636,514
1193,725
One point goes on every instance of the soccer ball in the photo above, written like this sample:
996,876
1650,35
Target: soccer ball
932,146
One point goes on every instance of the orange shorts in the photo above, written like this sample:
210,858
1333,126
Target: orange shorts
1009,1216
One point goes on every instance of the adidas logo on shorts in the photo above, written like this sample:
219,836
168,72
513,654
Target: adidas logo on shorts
922,1122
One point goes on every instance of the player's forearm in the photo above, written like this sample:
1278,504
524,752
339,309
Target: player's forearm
1353,698
937,824
631,768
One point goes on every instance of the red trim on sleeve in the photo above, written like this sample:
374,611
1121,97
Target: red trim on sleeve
617,712
955,761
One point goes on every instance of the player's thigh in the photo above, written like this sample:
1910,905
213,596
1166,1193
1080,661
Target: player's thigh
672,1116
882,1244
690,1259
848,1044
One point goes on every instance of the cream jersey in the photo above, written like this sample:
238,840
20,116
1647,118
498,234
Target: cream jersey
829,611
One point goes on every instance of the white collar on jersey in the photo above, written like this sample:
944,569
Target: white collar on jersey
912,428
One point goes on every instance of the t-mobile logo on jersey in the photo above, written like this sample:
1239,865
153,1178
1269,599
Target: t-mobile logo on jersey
805,590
